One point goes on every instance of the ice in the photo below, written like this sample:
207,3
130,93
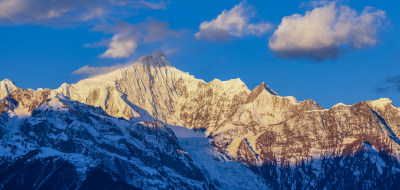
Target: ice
230,174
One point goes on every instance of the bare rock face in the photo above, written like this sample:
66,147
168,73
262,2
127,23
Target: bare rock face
22,102
329,141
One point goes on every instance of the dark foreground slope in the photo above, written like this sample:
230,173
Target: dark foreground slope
69,145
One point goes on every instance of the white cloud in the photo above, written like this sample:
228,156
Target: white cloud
234,22
325,32
67,11
94,71
120,46
127,37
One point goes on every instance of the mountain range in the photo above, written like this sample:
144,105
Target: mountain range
152,126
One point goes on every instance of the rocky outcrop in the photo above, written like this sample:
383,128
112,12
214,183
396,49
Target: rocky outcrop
22,102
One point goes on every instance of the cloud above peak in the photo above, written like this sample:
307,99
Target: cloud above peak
94,71
121,45
233,22
326,32
127,37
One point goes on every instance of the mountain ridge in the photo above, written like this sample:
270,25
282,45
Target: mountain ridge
290,143
148,60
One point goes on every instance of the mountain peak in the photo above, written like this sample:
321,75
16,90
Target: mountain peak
267,88
157,53
6,87
155,59
381,103
7,81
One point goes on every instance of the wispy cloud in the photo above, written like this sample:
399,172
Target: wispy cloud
389,84
127,37
67,11
91,71
169,51
326,31
94,71
147,4
234,22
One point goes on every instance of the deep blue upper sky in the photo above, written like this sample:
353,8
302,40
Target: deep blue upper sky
42,51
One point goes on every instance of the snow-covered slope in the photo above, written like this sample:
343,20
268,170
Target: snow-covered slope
68,145
227,172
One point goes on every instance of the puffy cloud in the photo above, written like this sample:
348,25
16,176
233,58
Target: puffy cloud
94,71
234,22
121,46
128,36
326,32
61,11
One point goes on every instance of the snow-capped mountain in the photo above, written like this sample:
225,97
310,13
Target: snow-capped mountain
280,142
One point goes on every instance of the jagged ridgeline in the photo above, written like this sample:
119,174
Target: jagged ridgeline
116,128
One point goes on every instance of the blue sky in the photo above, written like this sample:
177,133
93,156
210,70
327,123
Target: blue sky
352,57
